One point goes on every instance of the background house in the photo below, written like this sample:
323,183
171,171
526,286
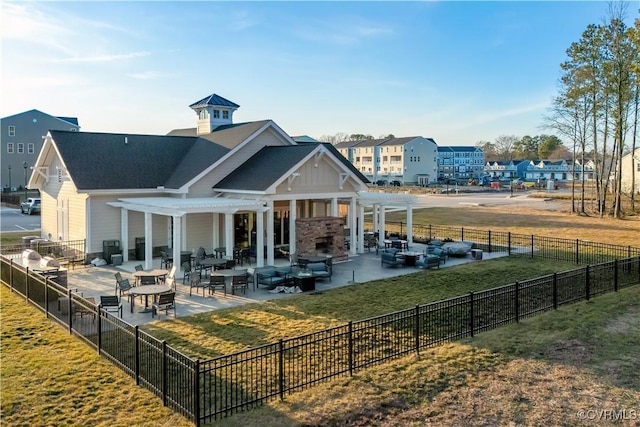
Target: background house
460,162
22,138
409,160
631,167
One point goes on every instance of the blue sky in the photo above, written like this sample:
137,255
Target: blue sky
458,72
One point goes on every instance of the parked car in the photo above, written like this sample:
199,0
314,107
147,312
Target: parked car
396,183
30,206
381,182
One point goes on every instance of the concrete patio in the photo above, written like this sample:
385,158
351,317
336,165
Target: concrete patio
94,281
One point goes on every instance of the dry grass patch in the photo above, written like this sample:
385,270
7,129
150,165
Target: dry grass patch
52,378
234,329
522,374
523,220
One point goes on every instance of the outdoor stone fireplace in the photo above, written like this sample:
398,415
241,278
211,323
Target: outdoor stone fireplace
321,236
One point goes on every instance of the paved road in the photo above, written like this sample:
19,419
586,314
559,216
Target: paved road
12,220
502,198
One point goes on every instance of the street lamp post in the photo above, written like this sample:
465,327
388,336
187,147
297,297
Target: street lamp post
25,165
9,177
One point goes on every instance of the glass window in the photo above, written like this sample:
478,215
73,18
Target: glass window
225,114
10,148
30,148
20,148
12,131
216,114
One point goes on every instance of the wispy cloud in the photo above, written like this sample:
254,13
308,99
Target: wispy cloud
104,58
148,75
342,32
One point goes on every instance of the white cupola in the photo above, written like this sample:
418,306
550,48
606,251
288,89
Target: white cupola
213,111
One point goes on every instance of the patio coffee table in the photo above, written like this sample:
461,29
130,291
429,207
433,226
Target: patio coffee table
305,281
410,257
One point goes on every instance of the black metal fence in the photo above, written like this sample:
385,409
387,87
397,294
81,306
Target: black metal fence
205,391
578,251
153,364
71,250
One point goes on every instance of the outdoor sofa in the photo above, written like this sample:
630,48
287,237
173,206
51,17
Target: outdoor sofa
390,257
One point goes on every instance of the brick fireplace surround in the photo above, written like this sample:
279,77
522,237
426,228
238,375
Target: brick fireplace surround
321,236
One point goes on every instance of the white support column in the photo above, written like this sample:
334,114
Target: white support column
148,241
177,240
382,221
260,239
124,234
228,235
409,225
374,217
183,238
270,231
334,207
360,219
250,229
215,232
292,225
356,238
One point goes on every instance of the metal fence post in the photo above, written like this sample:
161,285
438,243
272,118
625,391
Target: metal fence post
430,232
461,233
164,373
577,251
517,302
46,297
70,305
509,243
196,392
532,246
99,330
489,244
350,348
587,282
11,275
615,275
471,314
137,354
555,291
26,284
281,368
417,330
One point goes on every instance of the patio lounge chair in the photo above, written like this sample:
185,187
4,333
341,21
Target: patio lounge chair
390,258
239,282
111,304
217,282
196,282
166,302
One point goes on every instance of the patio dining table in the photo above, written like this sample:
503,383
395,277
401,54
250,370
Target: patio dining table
154,290
156,273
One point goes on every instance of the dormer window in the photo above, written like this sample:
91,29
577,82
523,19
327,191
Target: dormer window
225,115
216,114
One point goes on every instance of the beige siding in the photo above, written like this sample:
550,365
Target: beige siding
324,178
203,187
63,209
106,225
200,231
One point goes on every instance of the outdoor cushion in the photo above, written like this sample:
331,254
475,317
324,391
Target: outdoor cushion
390,259
319,269
283,271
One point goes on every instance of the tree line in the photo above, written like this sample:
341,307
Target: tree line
596,108
511,147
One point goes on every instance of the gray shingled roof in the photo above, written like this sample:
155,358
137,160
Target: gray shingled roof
458,149
398,141
72,120
103,161
228,136
215,100
270,163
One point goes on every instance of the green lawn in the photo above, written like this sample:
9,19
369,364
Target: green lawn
224,331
